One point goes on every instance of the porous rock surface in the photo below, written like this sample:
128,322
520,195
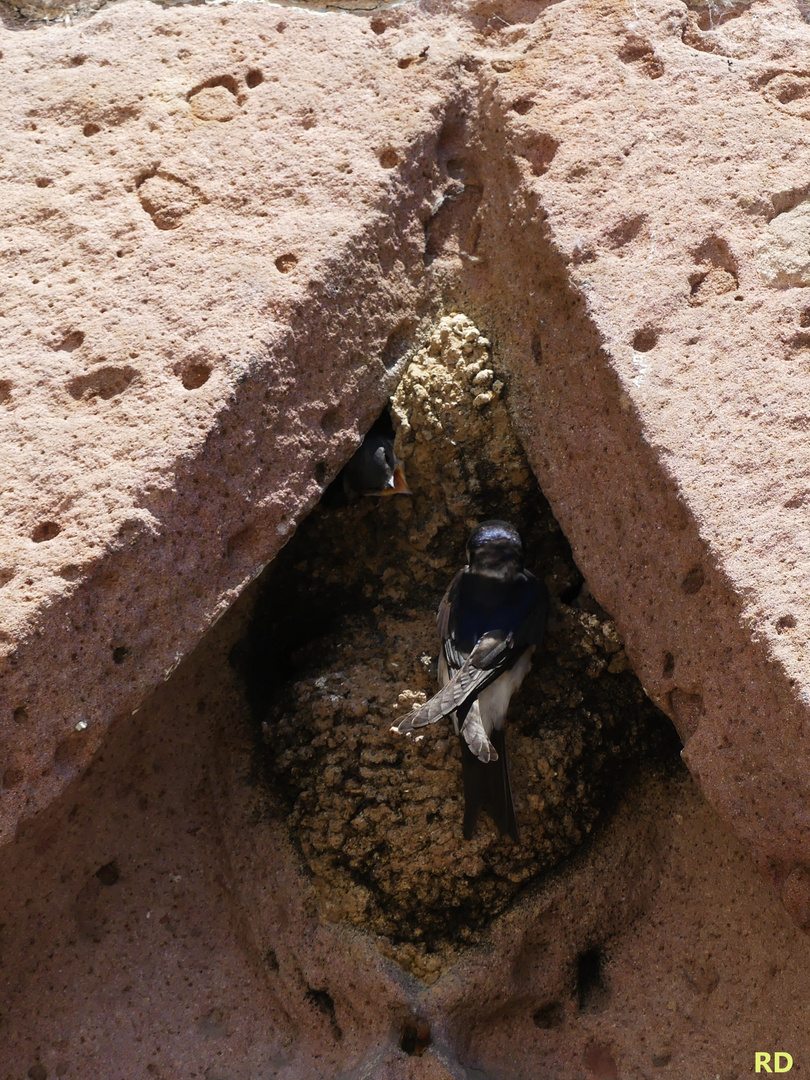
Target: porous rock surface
156,924
203,264
224,227
215,264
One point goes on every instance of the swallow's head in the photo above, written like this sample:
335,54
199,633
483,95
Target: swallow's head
495,550
374,469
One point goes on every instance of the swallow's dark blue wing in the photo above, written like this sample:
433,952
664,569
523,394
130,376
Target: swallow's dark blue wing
486,625
482,604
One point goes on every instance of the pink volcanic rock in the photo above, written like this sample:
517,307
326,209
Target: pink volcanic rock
155,924
661,366
211,256
217,256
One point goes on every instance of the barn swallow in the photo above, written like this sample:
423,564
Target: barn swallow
490,620
373,470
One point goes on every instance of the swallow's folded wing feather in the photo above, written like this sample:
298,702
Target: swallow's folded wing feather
484,664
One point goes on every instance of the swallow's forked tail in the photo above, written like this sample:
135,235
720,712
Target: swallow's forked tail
486,787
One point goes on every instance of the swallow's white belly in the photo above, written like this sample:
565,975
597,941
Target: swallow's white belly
493,702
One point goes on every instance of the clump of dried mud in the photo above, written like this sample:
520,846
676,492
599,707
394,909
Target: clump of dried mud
344,641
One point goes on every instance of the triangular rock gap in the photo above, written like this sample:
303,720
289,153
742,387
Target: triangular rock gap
343,641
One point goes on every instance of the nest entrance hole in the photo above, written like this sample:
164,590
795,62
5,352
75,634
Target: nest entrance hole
343,641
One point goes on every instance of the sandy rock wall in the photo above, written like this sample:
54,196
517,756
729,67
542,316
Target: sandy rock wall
224,228
218,256
659,361
205,299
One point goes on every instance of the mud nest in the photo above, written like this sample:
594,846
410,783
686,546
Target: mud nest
343,642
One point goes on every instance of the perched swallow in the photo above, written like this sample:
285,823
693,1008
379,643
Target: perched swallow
490,621
373,470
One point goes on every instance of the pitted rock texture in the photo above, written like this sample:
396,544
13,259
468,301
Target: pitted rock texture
600,188
660,383
656,949
179,371
378,816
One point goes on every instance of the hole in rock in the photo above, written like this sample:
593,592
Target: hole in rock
549,1016
168,199
285,263
43,182
90,129
104,382
694,581
717,274
242,541
46,530
254,78
108,874
71,341
539,151
388,158
591,986
6,387
626,231
414,1037
195,374
324,1003
644,340
639,53
397,344
343,640
119,654
454,228
228,82
330,421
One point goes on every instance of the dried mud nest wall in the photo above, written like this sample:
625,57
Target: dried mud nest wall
344,640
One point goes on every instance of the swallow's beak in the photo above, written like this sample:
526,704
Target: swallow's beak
400,483
397,486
